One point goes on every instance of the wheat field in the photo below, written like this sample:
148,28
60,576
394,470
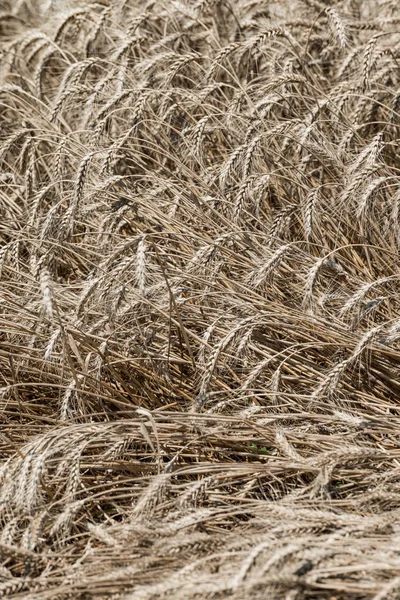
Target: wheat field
199,296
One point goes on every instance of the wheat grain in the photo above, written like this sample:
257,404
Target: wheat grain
220,347
51,344
47,294
12,139
222,55
367,60
58,159
3,256
92,38
61,100
249,154
65,408
141,265
337,26
230,164
152,496
263,273
330,383
311,283
73,16
159,415
254,374
353,301
370,190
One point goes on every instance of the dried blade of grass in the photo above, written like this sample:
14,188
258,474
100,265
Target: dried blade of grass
173,303
389,591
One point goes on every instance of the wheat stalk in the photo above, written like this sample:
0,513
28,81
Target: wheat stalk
198,203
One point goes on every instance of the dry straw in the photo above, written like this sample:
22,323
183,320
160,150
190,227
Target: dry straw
199,296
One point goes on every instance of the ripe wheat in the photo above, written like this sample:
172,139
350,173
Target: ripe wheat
199,297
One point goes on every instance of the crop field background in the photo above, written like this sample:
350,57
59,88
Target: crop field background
199,299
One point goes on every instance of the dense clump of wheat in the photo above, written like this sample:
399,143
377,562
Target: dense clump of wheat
199,296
